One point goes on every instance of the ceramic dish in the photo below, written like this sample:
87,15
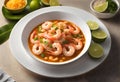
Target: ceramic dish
104,15
15,10
55,15
81,66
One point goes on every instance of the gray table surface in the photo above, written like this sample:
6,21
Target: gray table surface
108,71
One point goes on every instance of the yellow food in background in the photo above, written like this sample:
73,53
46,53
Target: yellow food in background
15,4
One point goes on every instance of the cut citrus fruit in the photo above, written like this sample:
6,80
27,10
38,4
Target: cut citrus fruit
95,50
45,2
99,35
92,25
54,3
100,5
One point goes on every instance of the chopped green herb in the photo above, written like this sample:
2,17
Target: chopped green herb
75,35
50,45
40,29
45,42
41,40
42,55
80,36
36,38
55,27
65,42
112,6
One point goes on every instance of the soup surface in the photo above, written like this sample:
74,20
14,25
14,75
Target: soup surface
56,41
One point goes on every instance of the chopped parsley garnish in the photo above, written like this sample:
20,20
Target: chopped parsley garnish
55,27
36,38
41,40
65,42
50,45
42,55
112,6
77,36
45,42
40,29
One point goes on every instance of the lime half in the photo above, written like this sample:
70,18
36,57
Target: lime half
92,25
45,2
54,3
99,35
100,5
96,50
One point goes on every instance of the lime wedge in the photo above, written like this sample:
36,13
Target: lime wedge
95,50
100,5
54,3
45,2
99,35
92,25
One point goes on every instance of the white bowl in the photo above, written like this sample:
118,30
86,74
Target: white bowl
104,15
53,15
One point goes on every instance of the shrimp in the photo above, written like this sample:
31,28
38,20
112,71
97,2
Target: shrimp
57,34
68,50
58,49
37,49
33,36
54,36
47,25
74,29
61,25
67,31
78,44
46,43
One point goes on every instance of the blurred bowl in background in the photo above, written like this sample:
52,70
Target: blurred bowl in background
104,15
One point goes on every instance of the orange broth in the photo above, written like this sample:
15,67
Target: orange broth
66,41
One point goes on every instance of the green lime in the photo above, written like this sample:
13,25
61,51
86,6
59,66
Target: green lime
54,3
92,25
99,35
45,2
95,50
34,4
100,5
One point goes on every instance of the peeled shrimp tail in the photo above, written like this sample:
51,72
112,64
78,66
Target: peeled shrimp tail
37,49
47,25
58,49
78,44
74,29
33,36
61,25
53,37
68,50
